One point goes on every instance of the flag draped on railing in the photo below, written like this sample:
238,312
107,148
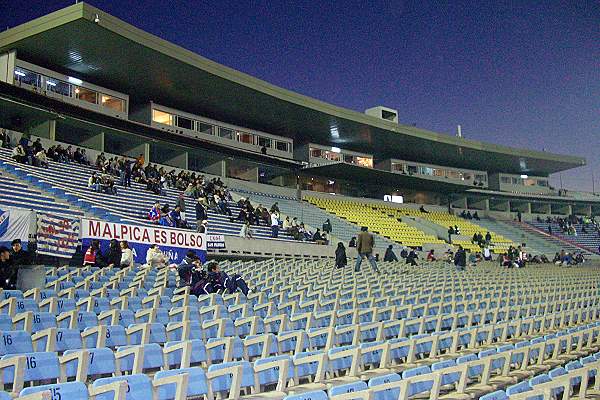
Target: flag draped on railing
56,235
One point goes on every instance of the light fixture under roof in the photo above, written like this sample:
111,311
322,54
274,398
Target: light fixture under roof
75,81
336,150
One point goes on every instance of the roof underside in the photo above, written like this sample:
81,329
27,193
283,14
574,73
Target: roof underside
118,56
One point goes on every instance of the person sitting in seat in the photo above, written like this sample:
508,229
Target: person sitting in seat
430,256
423,210
220,281
155,258
412,258
93,182
154,213
19,154
40,159
8,270
352,242
340,256
389,255
93,256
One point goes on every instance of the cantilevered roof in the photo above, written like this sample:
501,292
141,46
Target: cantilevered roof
111,53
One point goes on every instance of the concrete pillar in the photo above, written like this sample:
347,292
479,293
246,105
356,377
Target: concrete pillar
7,67
46,129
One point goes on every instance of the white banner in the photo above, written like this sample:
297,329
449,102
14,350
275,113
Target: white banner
215,241
16,224
94,229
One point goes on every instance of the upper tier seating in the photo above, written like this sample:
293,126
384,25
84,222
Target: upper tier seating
367,214
129,205
309,331
467,227
590,240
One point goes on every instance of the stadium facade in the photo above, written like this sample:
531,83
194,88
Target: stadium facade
82,76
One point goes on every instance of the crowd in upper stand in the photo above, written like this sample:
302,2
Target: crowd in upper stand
568,224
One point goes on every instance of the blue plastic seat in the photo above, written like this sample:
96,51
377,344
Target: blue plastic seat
139,387
387,394
39,366
61,391
15,342
153,357
223,382
158,334
348,388
198,353
197,383
102,361
314,395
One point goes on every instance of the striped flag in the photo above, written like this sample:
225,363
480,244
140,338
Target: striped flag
57,236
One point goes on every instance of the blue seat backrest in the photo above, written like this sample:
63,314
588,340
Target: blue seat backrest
60,391
197,383
387,394
223,383
102,361
314,395
139,387
271,375
153,357
39,366
348,388
198,353
15,342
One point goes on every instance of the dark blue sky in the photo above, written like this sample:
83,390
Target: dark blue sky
519,73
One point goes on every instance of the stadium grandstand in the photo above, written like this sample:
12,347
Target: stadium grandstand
171,228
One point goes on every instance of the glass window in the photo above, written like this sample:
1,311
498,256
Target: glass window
439,172
263,141
316,153
505,179
516,181
349,159
426,170
59,87
282,146
365,161
185,123
225,133
245,137
481,177
397,167
204,128
162,117
113,103
543,183
529,182
86,95
453,174
412,169
330,155
27,77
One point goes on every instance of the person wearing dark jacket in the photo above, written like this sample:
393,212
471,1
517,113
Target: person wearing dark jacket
340,256
113,258
460,259
8,271
389,254
18,255
220,281
412,258
327,226
185,270
201,214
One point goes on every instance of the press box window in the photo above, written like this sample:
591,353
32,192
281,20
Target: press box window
204,128
263,141
184,123
244,137
113,103
162,117
282,146
226,133
59,87
86,95
27,77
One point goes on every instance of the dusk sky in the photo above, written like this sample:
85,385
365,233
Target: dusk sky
518,73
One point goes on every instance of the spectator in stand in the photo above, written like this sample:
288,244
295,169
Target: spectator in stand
141,160
181,204
246,231
126,255
352,242
403,253
155,258
220,281
113,258
203,227
364,246
93,255
476,216
340,256
40,159
175,215
389,254
201,214
19,154
488,237
450,233
100,161
423,210
275,208
36,147
327,227
224,209
4,139
487,255
8,270
274,222
287,224
431,256
412,257
460,259
154,213
18,255
317,238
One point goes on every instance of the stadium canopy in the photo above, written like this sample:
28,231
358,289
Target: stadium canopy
89,44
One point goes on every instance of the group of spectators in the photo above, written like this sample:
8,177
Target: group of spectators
10,261
568,225
568,259
481,240
33,153
467,215
119,255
